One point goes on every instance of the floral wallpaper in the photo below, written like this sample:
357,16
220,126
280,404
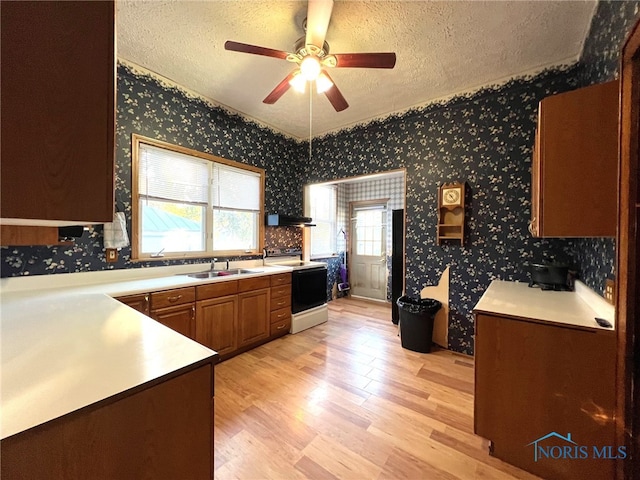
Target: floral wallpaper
283,237
595,258
162,111
483,138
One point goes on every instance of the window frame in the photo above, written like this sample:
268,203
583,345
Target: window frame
136,224
333,239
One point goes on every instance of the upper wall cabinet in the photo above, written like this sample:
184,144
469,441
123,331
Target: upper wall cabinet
575,158
58,115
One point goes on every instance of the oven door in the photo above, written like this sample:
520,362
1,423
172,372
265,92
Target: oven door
308,288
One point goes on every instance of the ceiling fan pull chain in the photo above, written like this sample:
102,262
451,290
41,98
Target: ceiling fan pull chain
310,118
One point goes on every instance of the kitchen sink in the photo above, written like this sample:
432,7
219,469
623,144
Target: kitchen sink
221,273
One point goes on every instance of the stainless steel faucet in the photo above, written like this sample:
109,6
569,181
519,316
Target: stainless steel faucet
213,264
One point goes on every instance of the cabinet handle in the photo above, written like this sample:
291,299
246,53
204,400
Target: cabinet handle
281,303
280,327
146,300
193,313
174,299
281,315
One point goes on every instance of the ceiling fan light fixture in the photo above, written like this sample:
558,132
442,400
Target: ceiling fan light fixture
323,83
310,67
298,82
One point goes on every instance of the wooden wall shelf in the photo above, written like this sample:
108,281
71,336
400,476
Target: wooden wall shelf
450,226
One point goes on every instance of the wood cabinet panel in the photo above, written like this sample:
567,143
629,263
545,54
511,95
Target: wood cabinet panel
28,235
180,318
58,111
212,290
280,328
280,315
280,279
217,323
281,291
164,431
574,175
168,298
253,316
282,302
138,302
249,284
533,379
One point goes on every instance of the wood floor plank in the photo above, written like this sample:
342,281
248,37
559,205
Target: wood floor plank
340,460
344,400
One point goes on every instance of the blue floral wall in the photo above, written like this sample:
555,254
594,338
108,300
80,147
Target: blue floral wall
153,109
595,257
484,139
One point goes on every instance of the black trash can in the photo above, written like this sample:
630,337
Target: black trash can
416,322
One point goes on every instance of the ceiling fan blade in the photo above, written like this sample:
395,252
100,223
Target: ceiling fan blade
335,96
255,50
280,90
365,60
318,16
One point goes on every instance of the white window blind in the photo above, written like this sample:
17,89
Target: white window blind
235,189
190,203
169,175
323,210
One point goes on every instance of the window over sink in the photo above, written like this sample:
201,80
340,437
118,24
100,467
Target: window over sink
191,204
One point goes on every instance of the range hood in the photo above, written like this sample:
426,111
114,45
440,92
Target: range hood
277,220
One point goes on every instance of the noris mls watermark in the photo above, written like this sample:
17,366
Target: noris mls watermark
569,449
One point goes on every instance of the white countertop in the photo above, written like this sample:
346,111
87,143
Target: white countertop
66,344
516,299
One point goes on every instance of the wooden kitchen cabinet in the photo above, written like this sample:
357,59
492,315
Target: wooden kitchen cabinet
535,378
58,112
280,305
138,302
254,316
217,323
574,168
176,309
163,429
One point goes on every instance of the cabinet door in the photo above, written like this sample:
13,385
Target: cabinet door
536,178
137,302
180,318
578,156
58,113
216,323
253,316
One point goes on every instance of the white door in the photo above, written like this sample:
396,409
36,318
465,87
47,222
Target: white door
368,269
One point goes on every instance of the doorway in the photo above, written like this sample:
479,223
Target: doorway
369,249
338,197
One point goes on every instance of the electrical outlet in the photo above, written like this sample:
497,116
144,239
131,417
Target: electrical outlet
112,255
610,291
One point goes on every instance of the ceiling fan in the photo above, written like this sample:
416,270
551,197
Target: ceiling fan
312,58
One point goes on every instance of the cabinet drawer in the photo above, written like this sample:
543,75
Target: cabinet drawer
248,284
281,327
283,291
280,315
214,290
282,302
169,298
280,279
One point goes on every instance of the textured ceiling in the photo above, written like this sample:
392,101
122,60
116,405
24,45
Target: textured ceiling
443,48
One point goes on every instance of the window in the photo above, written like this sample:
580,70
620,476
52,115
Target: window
322,203
190,204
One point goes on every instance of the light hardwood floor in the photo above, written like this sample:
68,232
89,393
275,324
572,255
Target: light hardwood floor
345,400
